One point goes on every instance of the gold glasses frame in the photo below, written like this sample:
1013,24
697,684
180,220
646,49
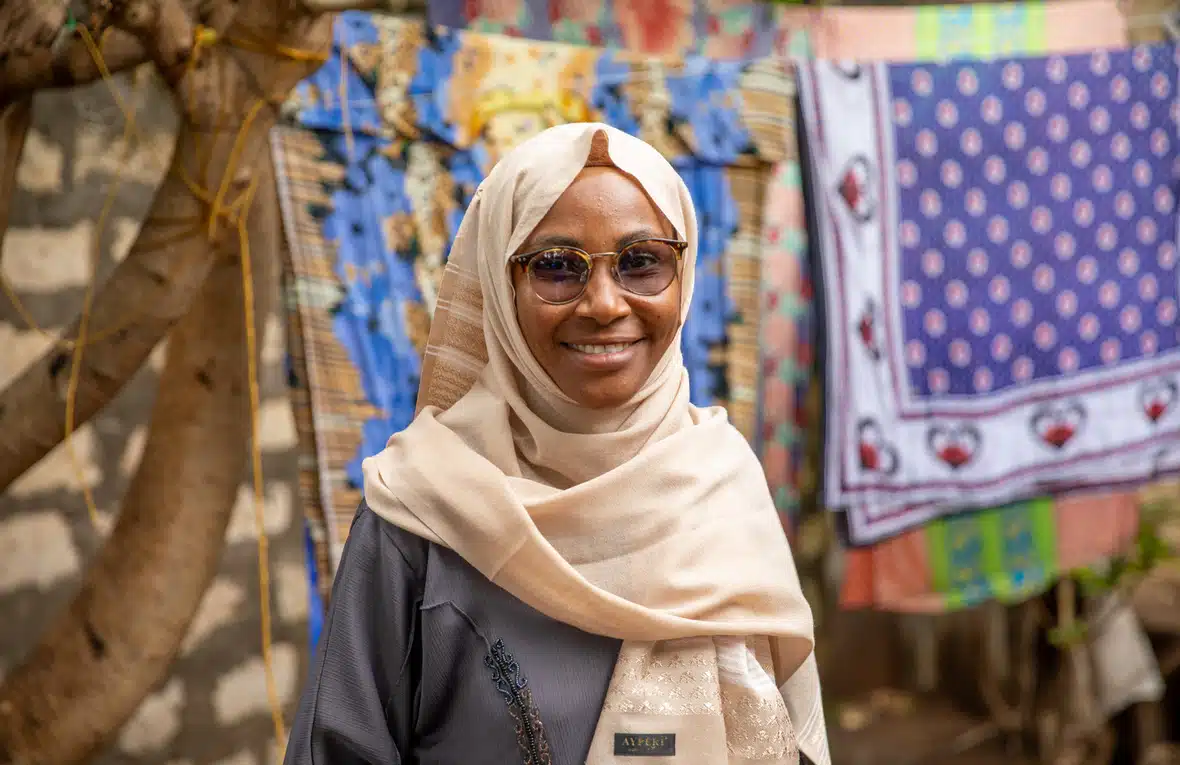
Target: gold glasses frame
525,259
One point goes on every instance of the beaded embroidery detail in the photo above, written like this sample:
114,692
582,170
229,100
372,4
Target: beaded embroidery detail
513,686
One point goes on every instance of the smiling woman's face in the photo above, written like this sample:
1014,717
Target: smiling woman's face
601,211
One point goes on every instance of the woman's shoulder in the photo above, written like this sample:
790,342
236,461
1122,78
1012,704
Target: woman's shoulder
387,539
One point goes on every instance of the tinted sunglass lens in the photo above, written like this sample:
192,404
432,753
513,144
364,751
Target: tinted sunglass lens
648,267
558,276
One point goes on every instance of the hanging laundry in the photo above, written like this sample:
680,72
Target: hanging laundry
921,33
999,251
786,330
1007,554
894,574
387,143
970,30
718,29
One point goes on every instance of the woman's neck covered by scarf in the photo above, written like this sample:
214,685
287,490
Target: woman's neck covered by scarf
650,522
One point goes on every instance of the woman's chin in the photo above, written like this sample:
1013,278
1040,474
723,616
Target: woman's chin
610,393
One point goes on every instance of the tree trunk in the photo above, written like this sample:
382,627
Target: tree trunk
154,286
95,665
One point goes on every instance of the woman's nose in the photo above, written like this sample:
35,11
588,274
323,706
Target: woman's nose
603,299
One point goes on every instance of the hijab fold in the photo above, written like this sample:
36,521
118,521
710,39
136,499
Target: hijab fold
651,523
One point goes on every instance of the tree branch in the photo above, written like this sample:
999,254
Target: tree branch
336,6
118,638
66,65
164,29
134,32
30,24
14,129
154,286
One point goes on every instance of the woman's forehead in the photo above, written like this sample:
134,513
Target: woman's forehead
603,198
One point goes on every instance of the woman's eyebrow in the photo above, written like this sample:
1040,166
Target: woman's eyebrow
562,240
638,235
551,240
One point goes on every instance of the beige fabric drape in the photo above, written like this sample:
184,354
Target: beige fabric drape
651,524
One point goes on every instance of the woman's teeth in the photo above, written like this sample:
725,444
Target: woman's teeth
601,349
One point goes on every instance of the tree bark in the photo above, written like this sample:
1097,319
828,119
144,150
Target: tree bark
41,52
392,6
154,286
14,129
118,638
30,24
66,65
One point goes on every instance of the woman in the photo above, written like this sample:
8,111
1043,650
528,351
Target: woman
561,560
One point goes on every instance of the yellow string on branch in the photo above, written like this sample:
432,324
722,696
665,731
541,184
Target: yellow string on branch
256,470
88,299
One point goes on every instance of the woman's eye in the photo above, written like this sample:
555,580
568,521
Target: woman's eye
559,266
637,260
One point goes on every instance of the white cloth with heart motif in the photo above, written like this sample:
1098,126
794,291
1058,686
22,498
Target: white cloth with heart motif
998,243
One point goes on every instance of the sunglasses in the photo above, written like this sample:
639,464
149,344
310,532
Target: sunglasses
559,274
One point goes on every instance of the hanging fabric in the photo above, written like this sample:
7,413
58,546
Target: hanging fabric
970,30
920,33
900,574
387,143
717,29
1007,554
966,298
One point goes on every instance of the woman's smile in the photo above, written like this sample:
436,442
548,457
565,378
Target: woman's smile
603,357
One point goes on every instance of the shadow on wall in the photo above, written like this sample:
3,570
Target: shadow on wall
212,709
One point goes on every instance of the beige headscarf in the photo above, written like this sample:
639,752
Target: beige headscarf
651,524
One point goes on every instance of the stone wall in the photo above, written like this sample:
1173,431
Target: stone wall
213,708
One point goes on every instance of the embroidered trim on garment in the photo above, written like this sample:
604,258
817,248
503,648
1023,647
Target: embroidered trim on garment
530,732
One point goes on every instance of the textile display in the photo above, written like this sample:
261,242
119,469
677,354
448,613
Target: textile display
787,327
895,574
727,29
1007,554
974,30
785,339
919,33
739,29
373,193
719,29
999,263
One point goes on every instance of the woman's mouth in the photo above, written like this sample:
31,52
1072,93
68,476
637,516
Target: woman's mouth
604,357
599,350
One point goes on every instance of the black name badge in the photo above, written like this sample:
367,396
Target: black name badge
645,744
